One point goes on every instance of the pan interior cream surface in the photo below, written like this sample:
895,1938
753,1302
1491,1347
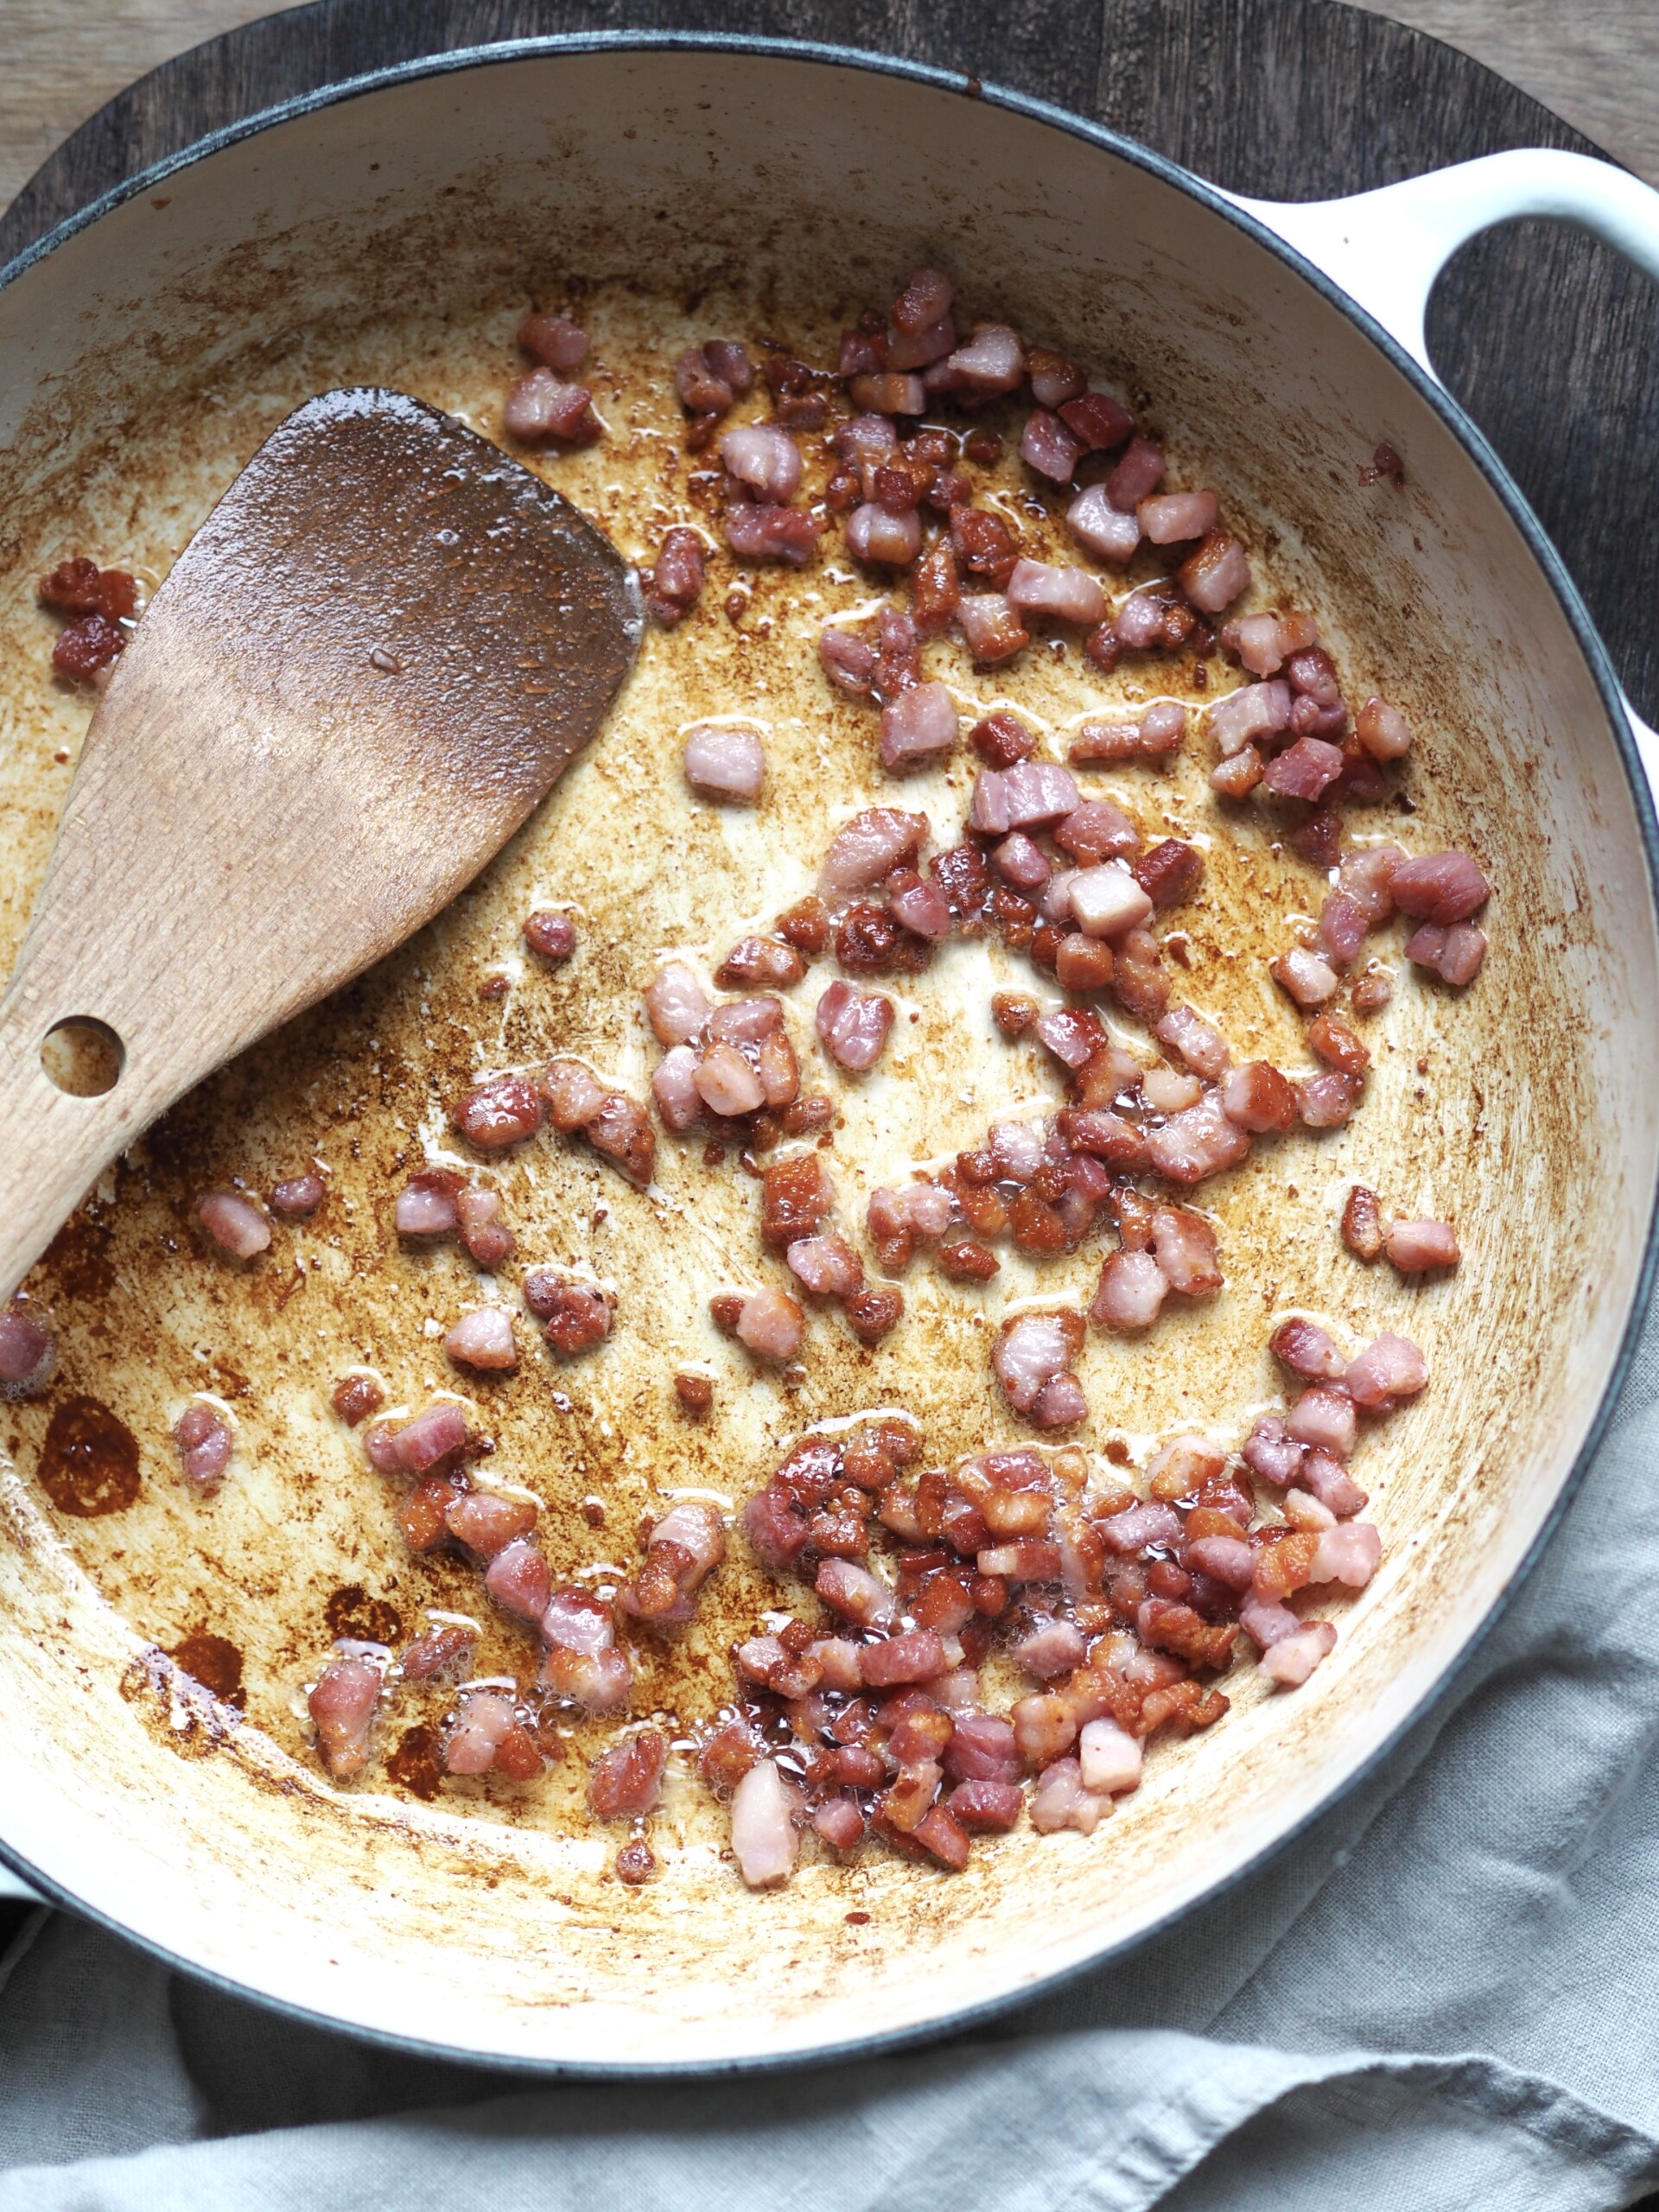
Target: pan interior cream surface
670,196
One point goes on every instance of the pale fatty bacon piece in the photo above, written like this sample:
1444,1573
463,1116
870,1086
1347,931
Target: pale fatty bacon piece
1101,529
847,662
1254,710
725,761
1060,1801
866,849
1184,1245
554,338
1064,594
1226,1560
487,1524
1137,1526
1327,1491
426,1206
487,1717
727,1083
1237,775
1391,1367
853,1026
1031,793
1416,1246
888,392
1325,1102
746,1020
1105,901
856,1595
990,629
1215,574
880,538
917,724
700,1532
1350,1554
992,361
573,1093
1031,1351
1265,641
598,1681
1366,878
765,458
925,300
1306,1350
1053,1647
1176,517
1383,730
205,1441
1454,953
234,1222
770,1325
1266,1623
674,1087
1200,1143
1441,887
1133,1288
676,1006
827,1265
1048,447
1139,621
483,1340
1324,1416
1289,1660
764,1841
1170,1090
342,1707
1270,1451
1109,1757
1304,977
577,1621
1017,1148
28,1356
1202,1048
518,1580
920,905
541,405
759,531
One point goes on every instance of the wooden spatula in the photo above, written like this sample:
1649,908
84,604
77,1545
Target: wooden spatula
377,653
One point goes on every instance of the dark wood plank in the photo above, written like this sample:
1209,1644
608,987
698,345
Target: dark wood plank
1546,337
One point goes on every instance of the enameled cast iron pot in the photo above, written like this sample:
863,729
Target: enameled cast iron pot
463,179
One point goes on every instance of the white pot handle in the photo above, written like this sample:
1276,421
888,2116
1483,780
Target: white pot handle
1386,248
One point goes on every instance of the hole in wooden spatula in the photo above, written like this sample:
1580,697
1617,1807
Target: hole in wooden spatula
83,1056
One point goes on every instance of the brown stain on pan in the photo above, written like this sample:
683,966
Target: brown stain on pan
88,1464
214,1662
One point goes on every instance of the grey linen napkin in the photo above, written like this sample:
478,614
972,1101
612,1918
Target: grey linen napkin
1445,1995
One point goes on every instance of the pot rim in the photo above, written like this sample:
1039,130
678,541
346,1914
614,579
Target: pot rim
1428,388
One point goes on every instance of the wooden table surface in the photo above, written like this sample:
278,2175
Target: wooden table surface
1596,62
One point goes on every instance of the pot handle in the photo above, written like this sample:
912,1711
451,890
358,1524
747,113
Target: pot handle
1386,248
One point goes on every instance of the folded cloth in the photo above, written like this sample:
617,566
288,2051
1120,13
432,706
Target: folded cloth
1445,1995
